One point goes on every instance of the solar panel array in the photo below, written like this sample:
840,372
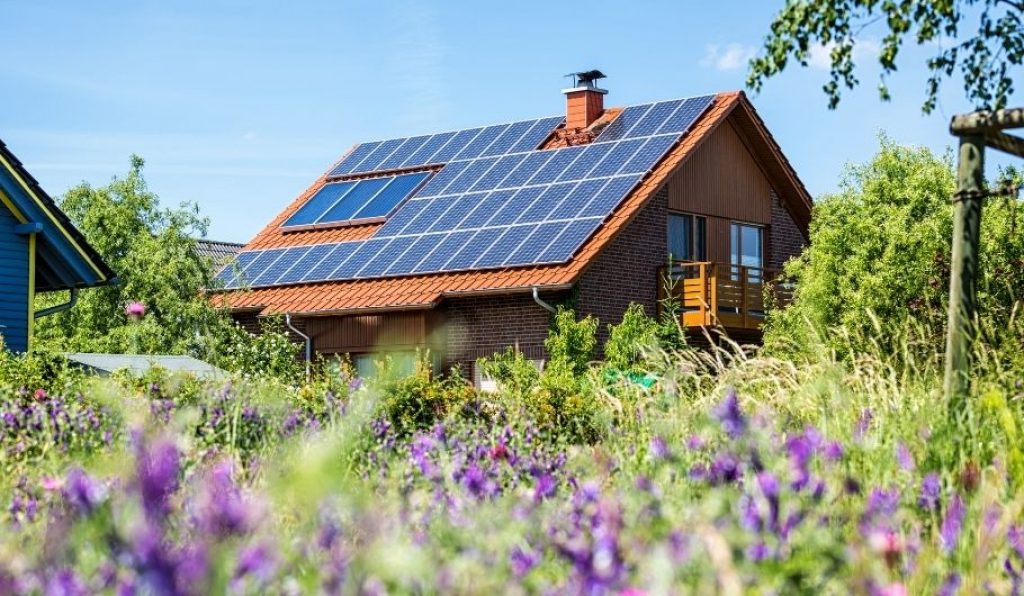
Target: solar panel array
492,210
355,200
446,147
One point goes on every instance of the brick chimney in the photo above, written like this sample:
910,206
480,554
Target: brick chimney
584,102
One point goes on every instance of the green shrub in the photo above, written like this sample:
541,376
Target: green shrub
631,340
419,400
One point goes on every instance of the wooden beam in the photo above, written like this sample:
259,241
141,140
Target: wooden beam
1006,143
984,122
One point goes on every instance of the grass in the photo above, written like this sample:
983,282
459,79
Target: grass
738,472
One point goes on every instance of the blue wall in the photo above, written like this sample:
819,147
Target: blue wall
13,283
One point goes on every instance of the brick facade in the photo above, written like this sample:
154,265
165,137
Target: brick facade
472,328
785,238
627,271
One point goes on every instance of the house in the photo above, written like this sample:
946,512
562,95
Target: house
40,251
461,241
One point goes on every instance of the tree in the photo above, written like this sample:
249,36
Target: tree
986,57
153,252
879,247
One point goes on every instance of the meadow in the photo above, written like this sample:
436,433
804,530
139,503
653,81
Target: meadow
664,469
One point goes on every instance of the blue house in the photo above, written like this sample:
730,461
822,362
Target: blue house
40,251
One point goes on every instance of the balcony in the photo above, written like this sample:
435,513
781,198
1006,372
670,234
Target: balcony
720,295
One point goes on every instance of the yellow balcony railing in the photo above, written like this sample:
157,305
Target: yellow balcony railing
716,294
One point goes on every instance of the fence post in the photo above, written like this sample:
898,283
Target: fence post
964,265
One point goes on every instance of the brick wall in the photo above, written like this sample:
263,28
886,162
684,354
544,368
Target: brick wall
472,328
785,238
627,270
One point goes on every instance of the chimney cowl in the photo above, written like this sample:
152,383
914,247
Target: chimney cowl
584,102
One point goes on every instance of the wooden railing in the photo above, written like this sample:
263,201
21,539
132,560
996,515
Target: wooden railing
716,294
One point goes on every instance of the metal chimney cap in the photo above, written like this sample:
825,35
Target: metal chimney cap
585,78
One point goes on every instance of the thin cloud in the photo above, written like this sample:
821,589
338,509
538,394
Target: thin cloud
820,56
725,57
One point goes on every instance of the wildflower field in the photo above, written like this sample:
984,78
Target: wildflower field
696,471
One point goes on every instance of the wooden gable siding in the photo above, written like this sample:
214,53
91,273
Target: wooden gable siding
724,182
14,283
368,333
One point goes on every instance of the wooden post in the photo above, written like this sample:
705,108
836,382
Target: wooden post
964,265
713,314
743,295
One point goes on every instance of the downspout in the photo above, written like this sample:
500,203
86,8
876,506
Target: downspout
60,307
309,342
544,305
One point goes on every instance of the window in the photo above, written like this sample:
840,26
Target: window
687,237
747,248
372,198
402,364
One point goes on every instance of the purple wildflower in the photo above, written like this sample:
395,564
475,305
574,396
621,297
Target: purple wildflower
729,415
694,442
949,533
545,488
355,384
832,451
65,583
951,586
930,490
904,457
523,561
256,561
658,448
800,449
157,473
725,469
1015,536
757,552
82,492
863,423
222,510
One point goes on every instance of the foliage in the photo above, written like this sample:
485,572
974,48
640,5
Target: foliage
877,255
152,250
269,353
417,401
986,57
516,375
629,340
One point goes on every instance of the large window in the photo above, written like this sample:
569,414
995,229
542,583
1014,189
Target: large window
687,237
747,248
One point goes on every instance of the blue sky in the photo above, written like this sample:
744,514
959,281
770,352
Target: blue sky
239,106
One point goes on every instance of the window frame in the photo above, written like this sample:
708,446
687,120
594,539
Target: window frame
698,249
362,221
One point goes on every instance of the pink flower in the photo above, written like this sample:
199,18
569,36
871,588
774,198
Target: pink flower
41,394
135,310
51,483
892,590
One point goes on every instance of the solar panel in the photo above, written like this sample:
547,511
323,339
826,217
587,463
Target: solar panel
332,261
473,248
354,158
305,263
232,270
574,234
323,200
255,269
391,195
282,264
541,130
403,152
352,200
499,252
497,201
444,251
445,147
535,244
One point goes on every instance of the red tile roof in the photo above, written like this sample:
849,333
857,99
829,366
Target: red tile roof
425,291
